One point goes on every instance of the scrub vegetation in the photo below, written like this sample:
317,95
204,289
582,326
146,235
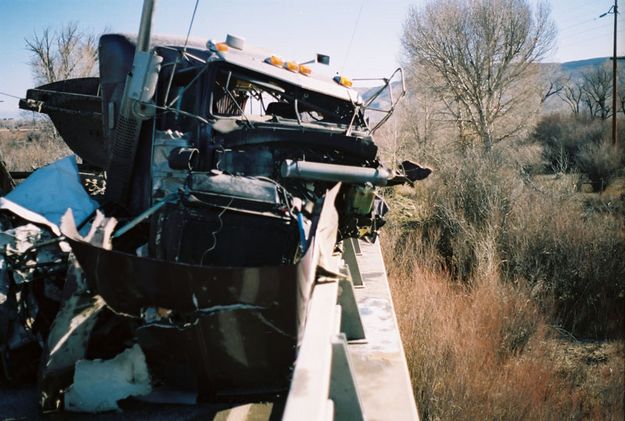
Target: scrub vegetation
506,264
26,145
509,290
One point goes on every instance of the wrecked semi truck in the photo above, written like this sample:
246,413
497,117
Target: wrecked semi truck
232,176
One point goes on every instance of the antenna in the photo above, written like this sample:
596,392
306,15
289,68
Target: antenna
349,47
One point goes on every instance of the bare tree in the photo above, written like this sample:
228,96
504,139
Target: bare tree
553,81
64,53
572,93
421,111
480,54
597,88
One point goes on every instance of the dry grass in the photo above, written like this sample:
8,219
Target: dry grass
484,350
25,150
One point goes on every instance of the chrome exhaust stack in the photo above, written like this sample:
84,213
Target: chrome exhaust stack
136,106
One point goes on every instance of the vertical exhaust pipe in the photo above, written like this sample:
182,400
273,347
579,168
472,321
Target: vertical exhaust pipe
136,106
145,27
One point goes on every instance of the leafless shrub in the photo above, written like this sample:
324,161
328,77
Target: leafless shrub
574,143
468,204
571,262
482,214
601,163
563,137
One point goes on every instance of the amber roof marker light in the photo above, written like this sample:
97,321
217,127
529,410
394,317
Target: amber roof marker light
305,70
343,81
274,61
291,66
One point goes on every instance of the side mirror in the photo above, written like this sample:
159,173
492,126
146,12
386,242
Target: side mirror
408,173
323,59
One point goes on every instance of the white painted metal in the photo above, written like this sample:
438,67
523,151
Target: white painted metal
379,364
235,42
351,324
310,386
367,379
349,254
343,388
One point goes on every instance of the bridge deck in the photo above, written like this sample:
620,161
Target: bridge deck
380,364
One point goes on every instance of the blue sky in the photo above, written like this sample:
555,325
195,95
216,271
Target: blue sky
295,29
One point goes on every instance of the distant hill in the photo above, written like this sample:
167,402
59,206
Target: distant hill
575,67
572,69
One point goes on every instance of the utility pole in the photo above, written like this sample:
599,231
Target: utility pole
614,77
613,10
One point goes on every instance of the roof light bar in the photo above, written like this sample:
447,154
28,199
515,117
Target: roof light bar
222,47
291,66
305,70
342,80
274,61
218,47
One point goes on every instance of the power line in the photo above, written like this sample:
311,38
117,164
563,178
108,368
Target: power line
349,47
575,34
577,24
588,7
590,39
9,95
595,28
578,34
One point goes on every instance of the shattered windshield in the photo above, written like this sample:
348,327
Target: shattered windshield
239,92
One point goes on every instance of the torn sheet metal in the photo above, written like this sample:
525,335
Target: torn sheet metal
327,230
236,329
68,338
33,264
29,248
32,274
27,215
73,325
266,310
50,191
99,384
